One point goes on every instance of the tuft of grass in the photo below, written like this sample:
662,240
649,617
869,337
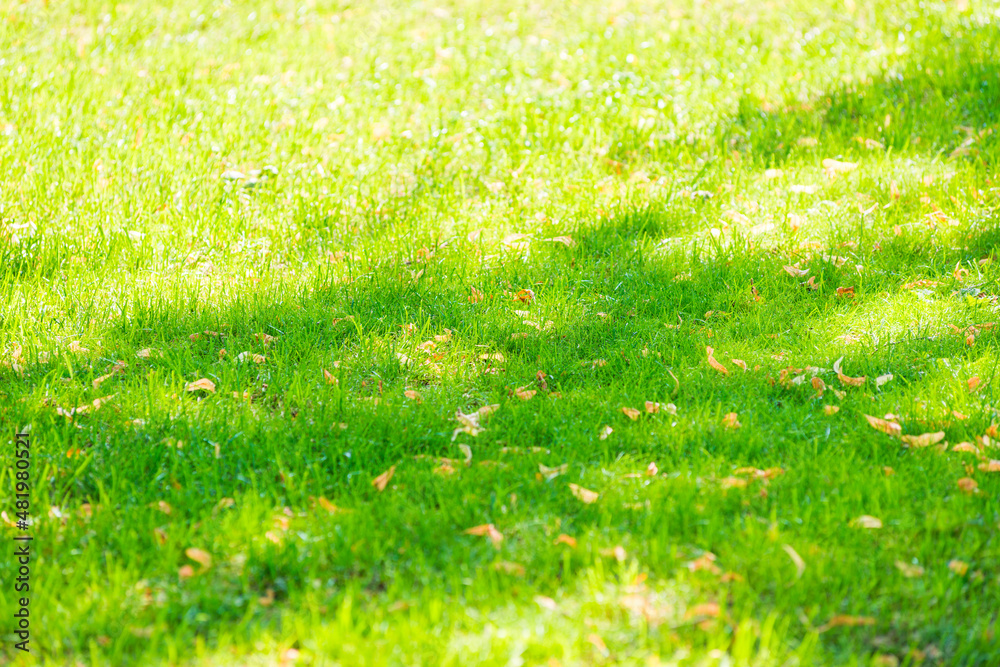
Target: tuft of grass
363,225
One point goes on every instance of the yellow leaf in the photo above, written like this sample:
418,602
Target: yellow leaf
800,565
959,567
382,480
584,495
565,240
413,396
740,363
487,530
713,363
552,473
795,271
831,409
199,556
204,384
924,440
867,521
887,427
631,413
909,570
567,540
731,421
882,379
475,296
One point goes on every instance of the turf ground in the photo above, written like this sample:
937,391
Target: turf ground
502,333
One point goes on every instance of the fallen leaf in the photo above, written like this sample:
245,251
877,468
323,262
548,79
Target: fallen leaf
968,485
992,465
486,530
882,379
618,553
909,570
834,167
565,240
830,410
552,473
185,572
966,447
652,470
731,421
605,432
566,539
795,271
846,292
413,396
382,480
475,296
973,383
713,363
199,556
584,495
845,379
631,413
800,565
652,408
867,521
546,602
204,384
959,567
706,609
889,428
888,471
598,643
524,296
820,386
847,621
740,363
507,567
525,394
924,440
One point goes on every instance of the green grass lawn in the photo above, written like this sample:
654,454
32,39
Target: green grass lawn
502,333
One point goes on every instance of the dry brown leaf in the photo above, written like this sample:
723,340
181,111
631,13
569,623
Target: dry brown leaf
834,167
973,382
924,440
846,379
846,621
413,396
652,408
631,413
992,465
740,363
966,447
199,556
820,386
830,410
552,473
867,521
846,292
204,384
584,495
968,485
524,296
486,530
185,572
882,379
525,394
546,602
382,480
605,432
713,363
705,610
959,567
795,271
652,470
565,240
887,427
731,421
475,296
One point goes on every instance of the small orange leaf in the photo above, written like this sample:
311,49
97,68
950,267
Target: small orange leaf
968,485
382,480
486,530
846,621
524,296
567,540
199,556
887,427
959,567
992,465
413,396
830,410
715,364
731,421
185,572
973,383
846,379
525,394
204,384
740,363
475,296
631,413
846,292
584,495
924,440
